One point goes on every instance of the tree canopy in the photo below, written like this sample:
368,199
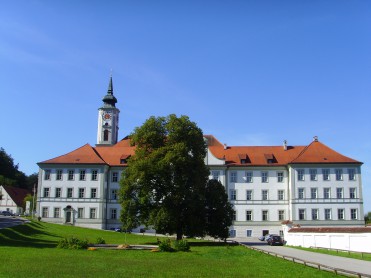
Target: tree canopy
165,183
10,175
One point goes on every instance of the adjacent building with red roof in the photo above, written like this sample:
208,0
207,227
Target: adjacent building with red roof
312,185
12,199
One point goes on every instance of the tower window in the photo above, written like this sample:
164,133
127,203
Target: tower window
105,135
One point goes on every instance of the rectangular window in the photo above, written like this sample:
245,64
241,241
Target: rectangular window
328,214
301,214
326,174
352,193
300,174
115,176
264,195
80,212
249,233
71,174
249,177
114,194
45,212
279,176
113,213
351,174
94,175
47,175
234,215
313,193
341,215
313,174
264,215
339,193
59,175
353,214
93,193
248,215
82,175
58,192
233,194
314,214
57,212
248,195
233,176
281,195
326,193
339,174
215,175
81,192
264,176
46,192
281,215
93,213
69,192
232,233
300,193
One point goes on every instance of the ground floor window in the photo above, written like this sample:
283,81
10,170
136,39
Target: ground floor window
93,213
341,214
113,213
45,212
248,233
57,212
232,233
301,214
353,214
80,212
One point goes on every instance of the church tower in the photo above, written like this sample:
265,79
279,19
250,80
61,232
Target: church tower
108,119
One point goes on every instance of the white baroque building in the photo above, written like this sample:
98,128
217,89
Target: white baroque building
309,185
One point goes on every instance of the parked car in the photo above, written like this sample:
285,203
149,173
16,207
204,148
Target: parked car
275,240
267,237
6,213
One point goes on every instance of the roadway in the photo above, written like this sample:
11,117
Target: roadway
353,265
10,221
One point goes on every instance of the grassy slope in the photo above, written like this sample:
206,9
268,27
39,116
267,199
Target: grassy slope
28,251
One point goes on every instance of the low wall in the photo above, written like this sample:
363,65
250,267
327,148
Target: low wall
352,239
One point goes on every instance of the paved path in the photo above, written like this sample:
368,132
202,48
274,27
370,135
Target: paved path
359,266
9,221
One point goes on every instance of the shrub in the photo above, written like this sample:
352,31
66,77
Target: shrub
165,246
181,245
100,240
72,243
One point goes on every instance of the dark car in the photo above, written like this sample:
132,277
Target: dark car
6,213
275,240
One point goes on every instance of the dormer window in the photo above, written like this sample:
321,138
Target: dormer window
244,158
124,158
270,158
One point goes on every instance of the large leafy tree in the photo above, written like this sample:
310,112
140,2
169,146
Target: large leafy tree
218,209
164,185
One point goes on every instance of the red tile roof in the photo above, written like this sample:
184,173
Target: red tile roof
17,194
332,230
315,152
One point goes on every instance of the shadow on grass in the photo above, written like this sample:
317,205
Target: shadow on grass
211,243
27,236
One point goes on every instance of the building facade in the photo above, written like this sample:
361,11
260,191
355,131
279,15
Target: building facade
310,185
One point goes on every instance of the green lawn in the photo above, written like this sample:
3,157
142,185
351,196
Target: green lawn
29,251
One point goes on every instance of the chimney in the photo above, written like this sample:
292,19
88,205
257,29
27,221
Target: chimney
225,146
315,138
285,145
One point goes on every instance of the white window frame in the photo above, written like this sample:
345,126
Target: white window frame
233,194
281,215
303,213
313,174
45,212
353,214
57,213
93,193
281,194
249,215
265,195
59,175
352,193
47,174
80,213
71,175
339,174
326,174
328,214
114,194
339,193
94,175
93,213
301,174
215,175
301,193
58,192
264,176
280,176
315,214
249,194
233,176
82,175
69,189
81,192
249,176
248,233
113,213
341,212
326,193
265,215
115,177
314,193
46,192
352,174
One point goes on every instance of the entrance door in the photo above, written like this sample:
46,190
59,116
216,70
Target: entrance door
265,232
68,216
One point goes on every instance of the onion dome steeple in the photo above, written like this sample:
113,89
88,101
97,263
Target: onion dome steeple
109,99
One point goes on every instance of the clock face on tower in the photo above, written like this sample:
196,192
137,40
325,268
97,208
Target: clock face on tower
107,116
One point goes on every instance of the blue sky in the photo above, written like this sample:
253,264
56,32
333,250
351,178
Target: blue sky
248,72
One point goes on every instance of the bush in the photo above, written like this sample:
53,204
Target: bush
165,246
181,245
100,240
72,243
